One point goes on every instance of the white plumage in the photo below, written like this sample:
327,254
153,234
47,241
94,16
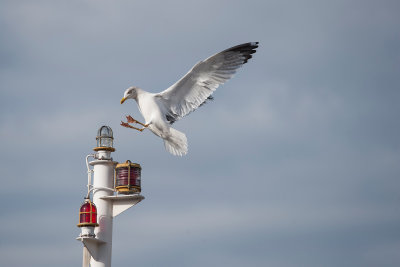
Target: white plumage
186,95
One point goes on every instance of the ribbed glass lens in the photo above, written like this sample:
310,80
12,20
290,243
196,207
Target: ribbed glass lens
134,176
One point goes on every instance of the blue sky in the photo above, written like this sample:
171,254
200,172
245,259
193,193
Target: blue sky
295,163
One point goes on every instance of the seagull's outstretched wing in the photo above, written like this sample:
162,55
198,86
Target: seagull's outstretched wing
200,82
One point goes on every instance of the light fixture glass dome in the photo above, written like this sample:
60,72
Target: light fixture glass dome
88,214
105,137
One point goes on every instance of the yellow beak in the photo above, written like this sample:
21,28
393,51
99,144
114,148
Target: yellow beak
123,100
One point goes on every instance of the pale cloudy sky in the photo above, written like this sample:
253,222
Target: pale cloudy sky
295,163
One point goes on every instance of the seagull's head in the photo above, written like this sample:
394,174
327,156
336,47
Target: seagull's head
131,92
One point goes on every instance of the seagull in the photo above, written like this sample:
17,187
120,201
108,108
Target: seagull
161,110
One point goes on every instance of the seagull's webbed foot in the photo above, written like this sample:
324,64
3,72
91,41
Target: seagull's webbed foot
125,124
132,120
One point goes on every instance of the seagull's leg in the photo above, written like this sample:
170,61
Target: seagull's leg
129,126
132,120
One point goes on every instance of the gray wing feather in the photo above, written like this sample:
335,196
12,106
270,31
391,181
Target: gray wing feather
193,89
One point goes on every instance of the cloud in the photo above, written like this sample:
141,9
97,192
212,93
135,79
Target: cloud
297,155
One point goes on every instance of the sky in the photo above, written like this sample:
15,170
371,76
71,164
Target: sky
294,163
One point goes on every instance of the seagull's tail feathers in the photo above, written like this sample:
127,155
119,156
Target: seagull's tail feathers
176,143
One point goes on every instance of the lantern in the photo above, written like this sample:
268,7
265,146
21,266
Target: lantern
105,139
128,177
87,218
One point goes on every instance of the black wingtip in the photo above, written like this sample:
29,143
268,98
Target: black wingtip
245,49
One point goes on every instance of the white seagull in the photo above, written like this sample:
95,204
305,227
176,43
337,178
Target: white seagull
186,95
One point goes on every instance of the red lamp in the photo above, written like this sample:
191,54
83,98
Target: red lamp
87,218
128,177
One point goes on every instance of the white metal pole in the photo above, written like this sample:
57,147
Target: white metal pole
86,257
103,177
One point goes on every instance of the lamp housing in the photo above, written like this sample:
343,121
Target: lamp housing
104,139
88,214
128,177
